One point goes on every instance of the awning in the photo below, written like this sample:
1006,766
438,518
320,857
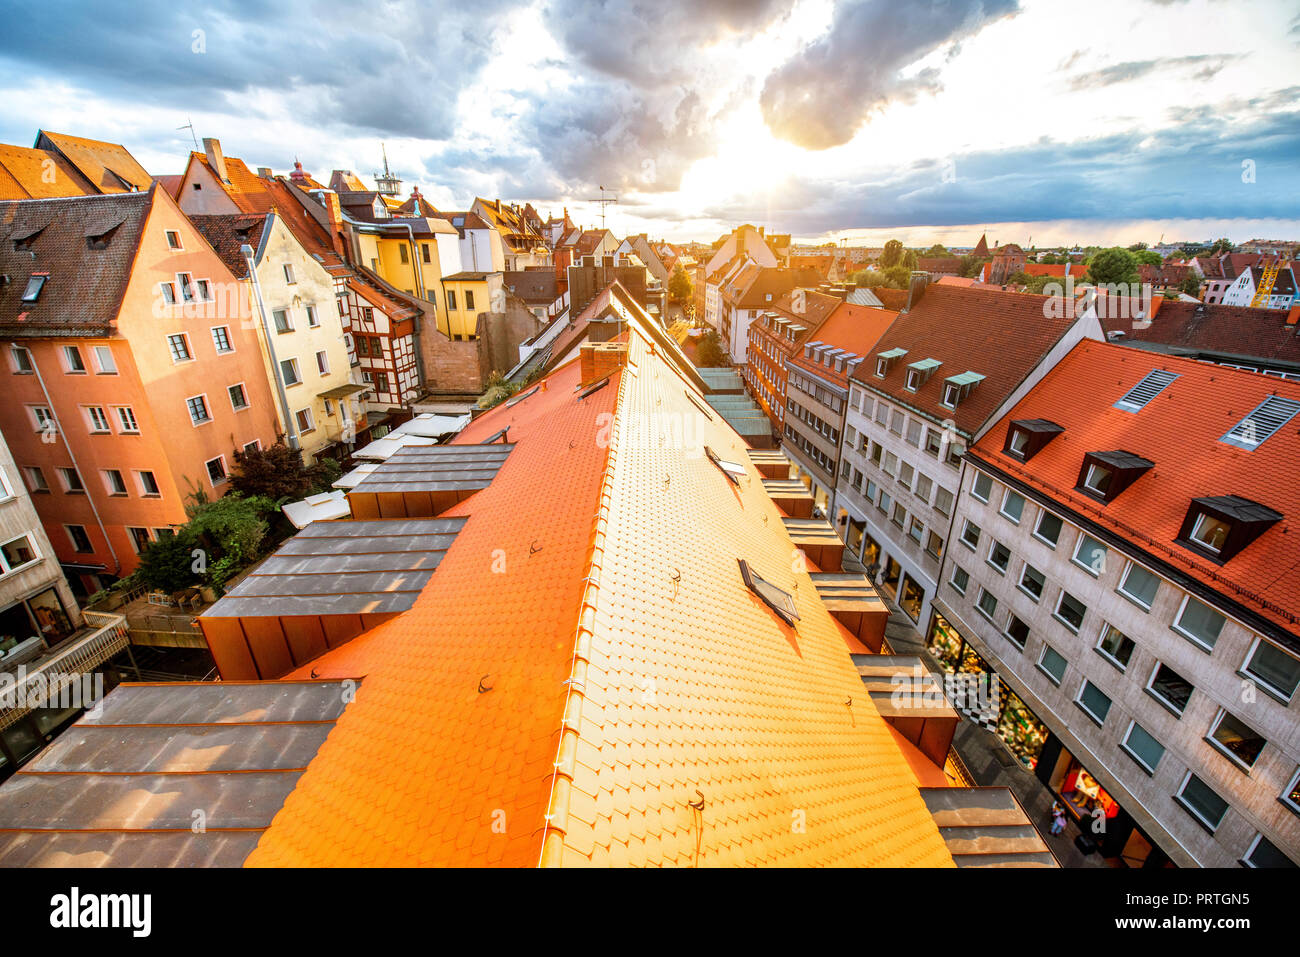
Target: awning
76,567
341,391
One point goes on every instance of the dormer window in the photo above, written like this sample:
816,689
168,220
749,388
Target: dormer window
1221,526
956,388
1027,437
1105,475
780,601
34,286
885,361
919,372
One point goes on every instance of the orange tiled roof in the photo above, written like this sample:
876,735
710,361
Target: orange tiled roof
612,673
37,174
109,167
1178,430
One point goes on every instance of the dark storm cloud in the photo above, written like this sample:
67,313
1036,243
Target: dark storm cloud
391,76
1192,171
1209,65
826,92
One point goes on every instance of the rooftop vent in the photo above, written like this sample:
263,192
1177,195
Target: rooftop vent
1266,418
1152,384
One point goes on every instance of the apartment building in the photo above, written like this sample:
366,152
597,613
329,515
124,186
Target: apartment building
817,393
1125,561
134,371
305,352
949,365
778,334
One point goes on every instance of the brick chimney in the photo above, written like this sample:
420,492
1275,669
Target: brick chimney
600,359
916,288
334,210
212,147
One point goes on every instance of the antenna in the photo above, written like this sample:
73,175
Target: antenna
603,203
190,126
388,184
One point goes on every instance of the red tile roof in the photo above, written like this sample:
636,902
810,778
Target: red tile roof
1180,431
1045,269
1002,337
1225,332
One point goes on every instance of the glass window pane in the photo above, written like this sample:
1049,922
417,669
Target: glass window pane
1144,747
1275,668
1140,585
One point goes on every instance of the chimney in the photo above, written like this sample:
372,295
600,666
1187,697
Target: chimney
264,172
916,288
212,147
600,359
334,210
1293,317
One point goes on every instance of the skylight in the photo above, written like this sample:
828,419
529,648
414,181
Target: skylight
775,598
1152,384
1267,417
34,286
731,470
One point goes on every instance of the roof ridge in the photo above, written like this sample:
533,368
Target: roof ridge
555,821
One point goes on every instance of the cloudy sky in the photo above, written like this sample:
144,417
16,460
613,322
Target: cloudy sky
1106,121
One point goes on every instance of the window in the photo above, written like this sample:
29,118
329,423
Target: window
322,363
1264,853
1093,701
281,319
424,252
1291,796
451,300
1170,688
943,502
1052,664
1274,668
168,293
71,479
198,409
960,579
1090,555
22,360
186,283
982,487
885,503
914,433
933,442
1048,529
1142,748
970,534
1199,622
34,286
1019,442
923,487
221,339
896,423
1139,585
148,484
905,475
882,414
1210,532
80,540
1097,479
469,298
173,239
891,464
312,321
289,371
381,381
104,364
126,420
98,420
1236,740
1201,802
139,538
1013,506
35,479
73,361
934,545
216,470
1115,646
291,280
238,399
1265,419
900,515
16,553
305,421
916,530
951,394
987,603
913,380
1152,384
44,419
1070,611
179,347
1017,632
778,600
999,556
1032,582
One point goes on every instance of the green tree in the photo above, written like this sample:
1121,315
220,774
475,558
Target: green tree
892,254
1147,257
230,531
709,352
167,564
1115,265
1191,286
1137,247
1223,245
900,277
910,259
680,288
497,391
937,251
971,266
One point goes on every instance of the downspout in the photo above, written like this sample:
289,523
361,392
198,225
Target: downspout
117,564
415,325
276,376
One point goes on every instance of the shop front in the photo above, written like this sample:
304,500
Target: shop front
40,615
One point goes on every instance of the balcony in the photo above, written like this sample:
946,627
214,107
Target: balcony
29,679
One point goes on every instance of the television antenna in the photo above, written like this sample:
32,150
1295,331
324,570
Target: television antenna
190,126
603,201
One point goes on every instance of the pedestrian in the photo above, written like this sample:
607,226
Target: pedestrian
1058,818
